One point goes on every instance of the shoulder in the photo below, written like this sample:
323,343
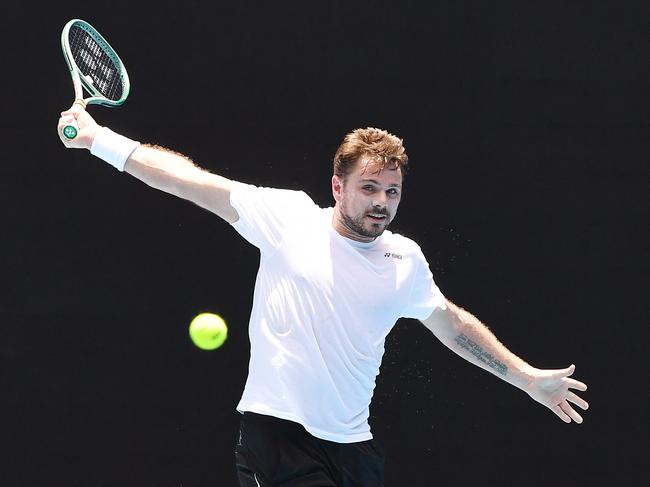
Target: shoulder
288,198
265,191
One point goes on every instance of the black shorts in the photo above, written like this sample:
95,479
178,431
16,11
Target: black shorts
275,452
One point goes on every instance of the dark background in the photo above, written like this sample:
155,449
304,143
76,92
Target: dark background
527,128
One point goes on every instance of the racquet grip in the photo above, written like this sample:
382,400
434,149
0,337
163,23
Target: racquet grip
70,130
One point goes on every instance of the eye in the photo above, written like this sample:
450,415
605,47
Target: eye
393,192
368,188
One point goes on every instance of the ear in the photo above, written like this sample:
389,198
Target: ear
337,187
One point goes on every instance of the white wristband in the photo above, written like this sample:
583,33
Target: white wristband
113,148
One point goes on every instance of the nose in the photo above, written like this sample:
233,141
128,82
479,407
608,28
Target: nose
379,201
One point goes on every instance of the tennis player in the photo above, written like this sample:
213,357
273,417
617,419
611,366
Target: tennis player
331,284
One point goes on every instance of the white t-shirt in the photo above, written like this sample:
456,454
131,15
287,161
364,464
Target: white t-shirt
322,307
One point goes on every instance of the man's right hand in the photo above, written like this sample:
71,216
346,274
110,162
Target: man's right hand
87,127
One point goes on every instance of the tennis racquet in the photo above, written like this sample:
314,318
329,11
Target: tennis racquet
95,66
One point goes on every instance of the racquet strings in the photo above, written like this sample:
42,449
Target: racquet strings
95,64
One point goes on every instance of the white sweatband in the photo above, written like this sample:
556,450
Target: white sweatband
113,148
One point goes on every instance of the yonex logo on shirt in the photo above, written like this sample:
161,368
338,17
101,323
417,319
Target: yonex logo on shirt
394,256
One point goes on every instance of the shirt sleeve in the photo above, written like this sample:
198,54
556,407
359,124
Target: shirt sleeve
425,295
265,213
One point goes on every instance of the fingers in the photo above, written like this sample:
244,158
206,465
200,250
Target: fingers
569,411
71,111
66,118
565,372
560,373
578,401
576,384
566,413
561,414
79,112
77,107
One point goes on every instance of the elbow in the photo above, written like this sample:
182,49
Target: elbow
445,323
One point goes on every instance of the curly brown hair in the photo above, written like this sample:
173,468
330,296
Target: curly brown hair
379,146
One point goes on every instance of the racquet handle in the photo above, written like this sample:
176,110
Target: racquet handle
70,130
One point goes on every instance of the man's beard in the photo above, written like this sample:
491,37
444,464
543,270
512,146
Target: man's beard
356,224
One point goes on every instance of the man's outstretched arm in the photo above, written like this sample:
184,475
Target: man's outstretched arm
159,168
464,334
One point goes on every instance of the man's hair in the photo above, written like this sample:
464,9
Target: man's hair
378,146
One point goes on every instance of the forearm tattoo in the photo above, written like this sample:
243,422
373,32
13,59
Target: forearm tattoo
485,357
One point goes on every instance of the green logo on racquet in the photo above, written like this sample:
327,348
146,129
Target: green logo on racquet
70,132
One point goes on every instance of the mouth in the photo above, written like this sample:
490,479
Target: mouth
377,217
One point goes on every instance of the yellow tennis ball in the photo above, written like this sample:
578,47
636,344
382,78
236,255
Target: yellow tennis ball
208,331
